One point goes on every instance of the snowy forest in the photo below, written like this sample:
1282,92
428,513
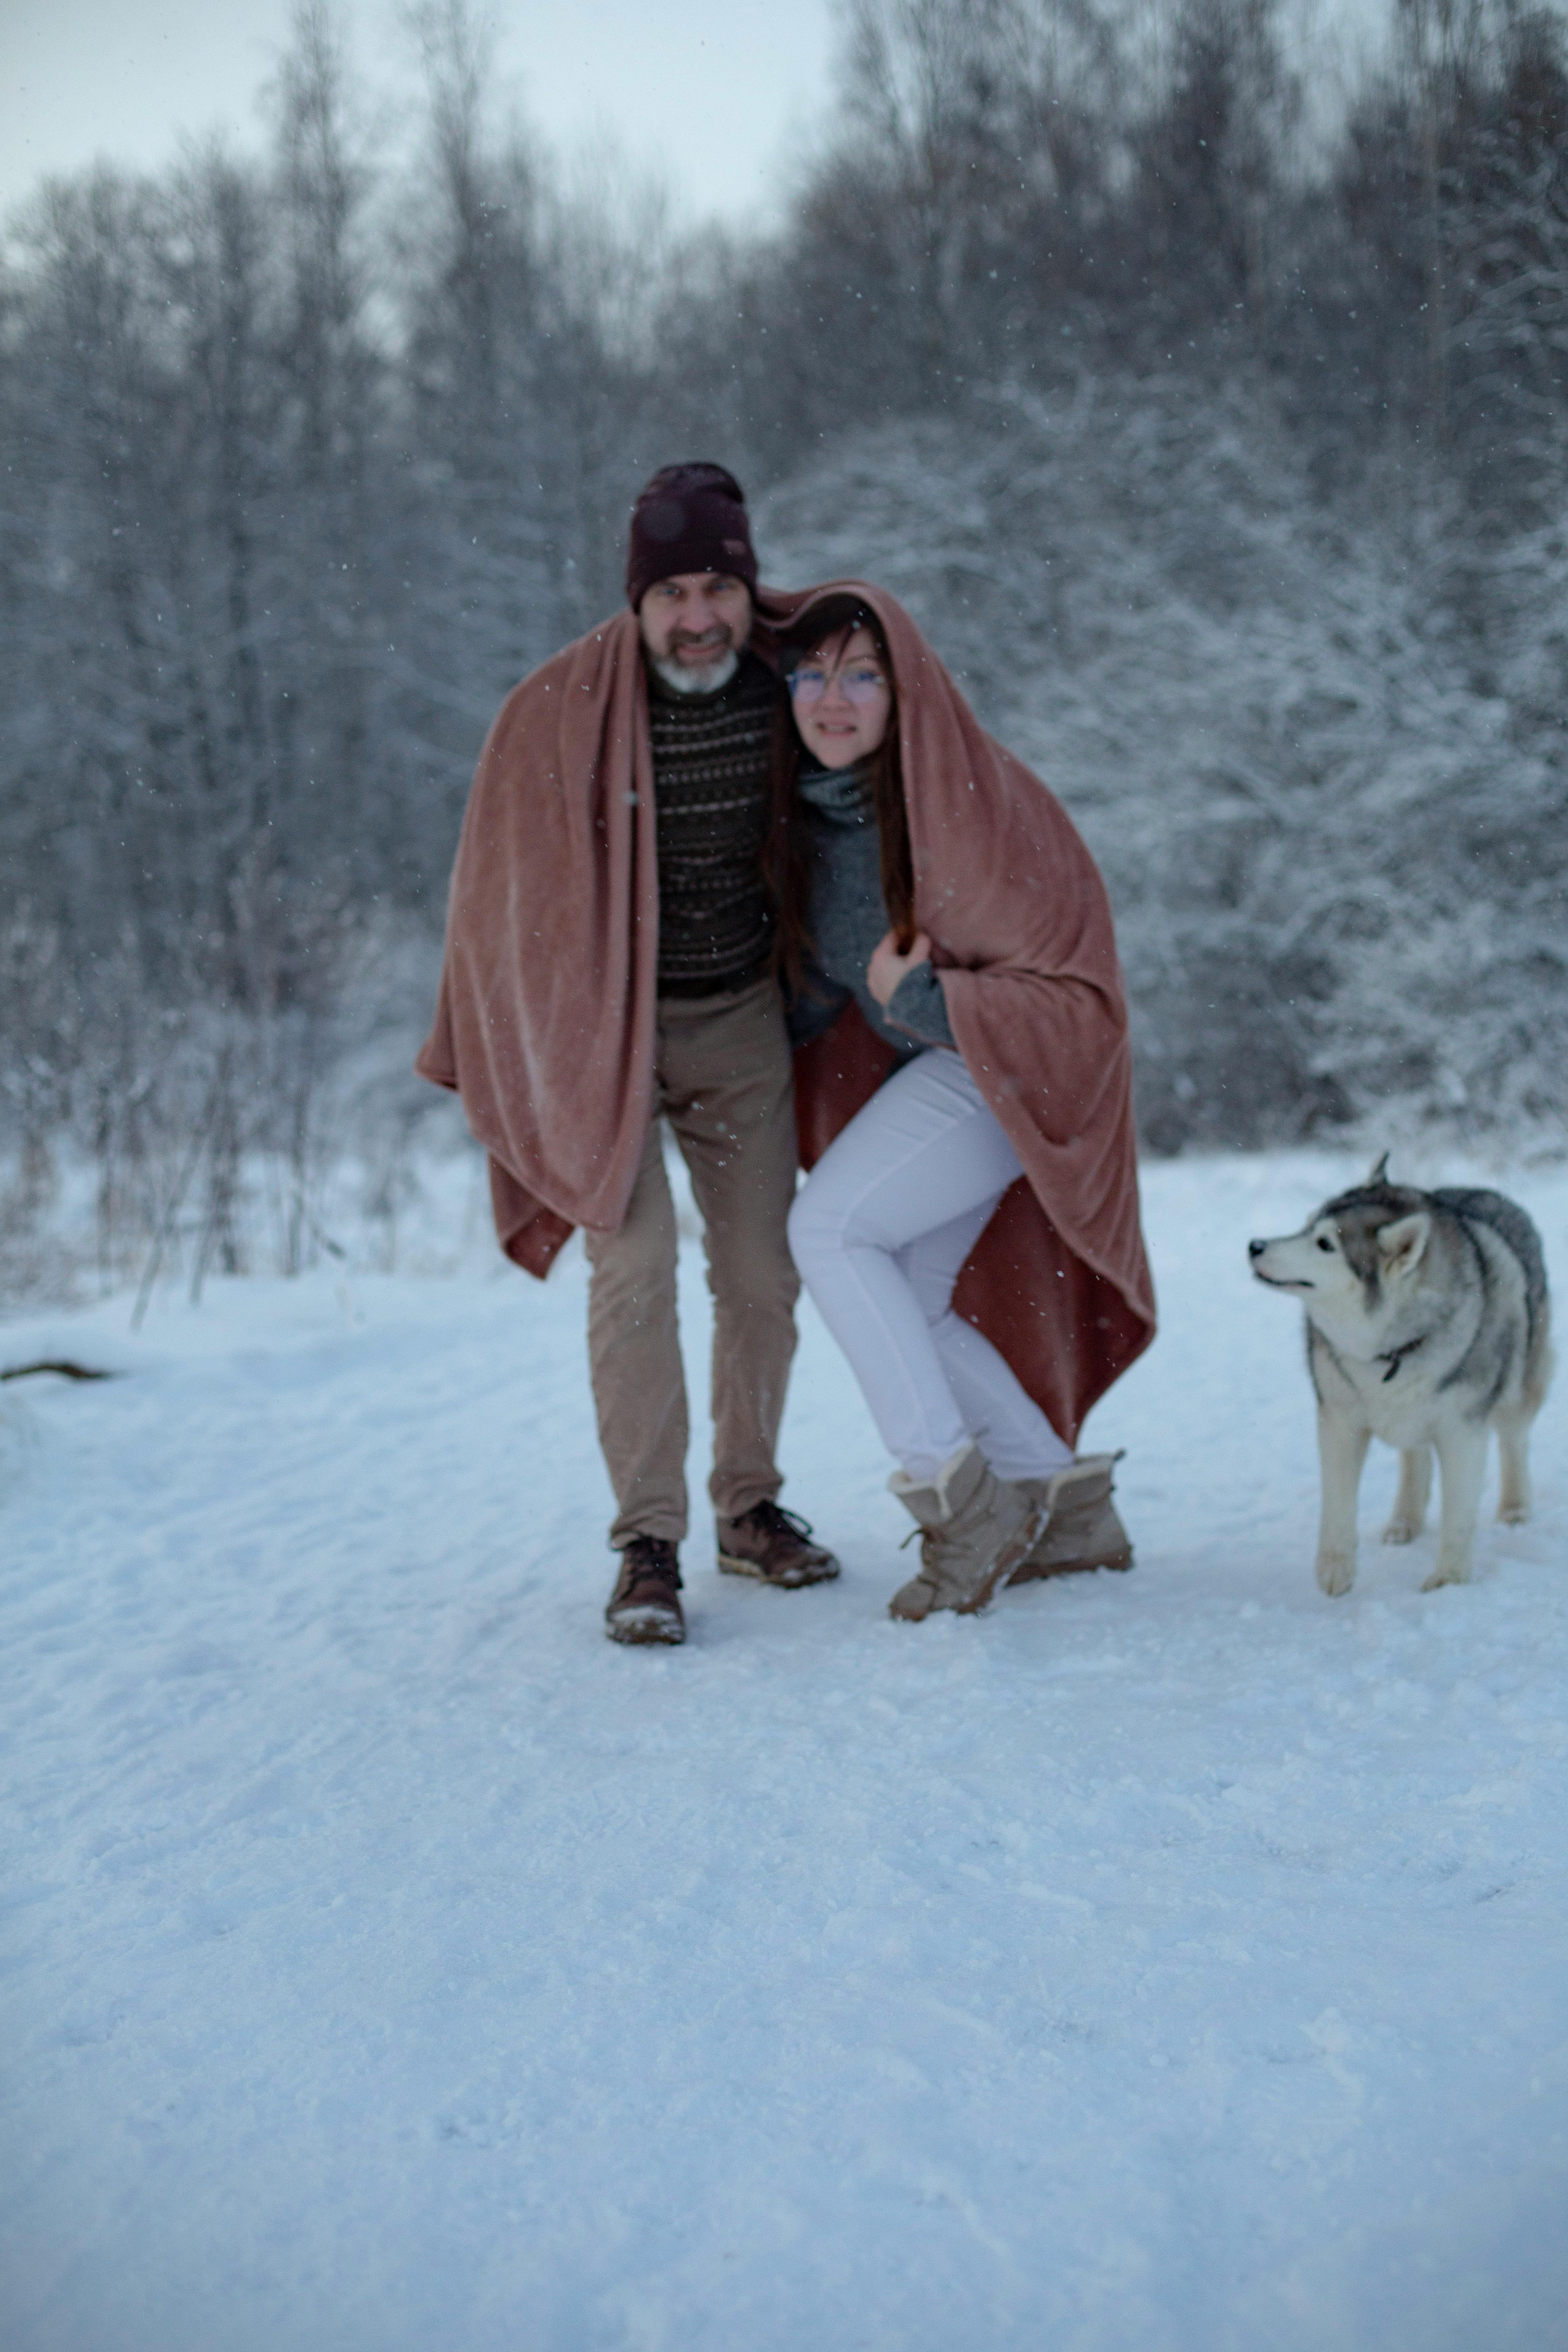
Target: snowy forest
1207,398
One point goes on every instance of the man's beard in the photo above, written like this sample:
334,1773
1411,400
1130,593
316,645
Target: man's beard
681,678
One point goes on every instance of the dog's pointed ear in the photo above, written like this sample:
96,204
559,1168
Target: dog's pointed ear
1402,1244
1380,1172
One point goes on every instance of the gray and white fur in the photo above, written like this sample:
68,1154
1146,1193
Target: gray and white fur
1427,1323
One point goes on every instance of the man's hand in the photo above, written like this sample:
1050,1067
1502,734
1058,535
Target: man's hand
888,967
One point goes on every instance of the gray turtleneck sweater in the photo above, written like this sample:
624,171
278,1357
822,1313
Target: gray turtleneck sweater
845,916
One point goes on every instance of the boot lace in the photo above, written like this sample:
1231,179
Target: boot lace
652,1558
770,1517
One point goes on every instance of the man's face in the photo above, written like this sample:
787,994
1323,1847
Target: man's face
695,623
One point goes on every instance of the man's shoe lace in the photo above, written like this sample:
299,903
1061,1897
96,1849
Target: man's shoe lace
651,1557
770,1518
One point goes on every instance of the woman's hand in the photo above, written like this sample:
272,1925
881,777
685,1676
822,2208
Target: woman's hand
888,967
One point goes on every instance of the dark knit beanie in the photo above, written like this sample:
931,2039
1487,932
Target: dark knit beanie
688,519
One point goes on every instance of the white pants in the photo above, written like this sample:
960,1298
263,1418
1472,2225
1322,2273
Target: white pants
880,1231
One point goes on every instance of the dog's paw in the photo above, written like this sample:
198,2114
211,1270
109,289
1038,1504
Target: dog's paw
1441,1575
1401,1531
1514,1515
1336,1574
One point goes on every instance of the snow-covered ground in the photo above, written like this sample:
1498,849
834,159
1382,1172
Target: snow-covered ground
1176,1962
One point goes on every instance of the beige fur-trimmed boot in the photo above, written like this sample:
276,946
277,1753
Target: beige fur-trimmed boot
1080,1528
974,1531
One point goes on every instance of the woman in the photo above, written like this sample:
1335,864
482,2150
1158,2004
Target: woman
930,889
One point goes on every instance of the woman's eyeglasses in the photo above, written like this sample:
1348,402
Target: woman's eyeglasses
862,682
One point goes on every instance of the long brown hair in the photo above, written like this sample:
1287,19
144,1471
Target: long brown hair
785,859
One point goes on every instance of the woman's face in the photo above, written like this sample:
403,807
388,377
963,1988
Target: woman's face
842,698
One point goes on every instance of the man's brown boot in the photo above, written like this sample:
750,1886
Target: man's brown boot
1080,1528
645,1603
775,1547
973,1532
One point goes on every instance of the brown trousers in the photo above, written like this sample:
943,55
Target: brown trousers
722,1079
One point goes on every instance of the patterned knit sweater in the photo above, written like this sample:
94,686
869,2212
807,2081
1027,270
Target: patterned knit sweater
710,795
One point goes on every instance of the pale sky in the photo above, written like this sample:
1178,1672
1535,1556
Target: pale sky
720,109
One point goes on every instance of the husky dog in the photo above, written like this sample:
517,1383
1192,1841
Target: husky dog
1426,1323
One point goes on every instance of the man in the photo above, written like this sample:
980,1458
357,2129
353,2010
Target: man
608,960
